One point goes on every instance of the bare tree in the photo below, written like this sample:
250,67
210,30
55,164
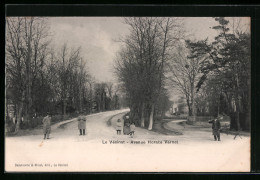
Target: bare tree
228,56
26,50
141,62
72,76
40,77
183,75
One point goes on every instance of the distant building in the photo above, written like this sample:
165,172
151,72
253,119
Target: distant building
180,107
174,108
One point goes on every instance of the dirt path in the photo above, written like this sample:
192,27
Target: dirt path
102,150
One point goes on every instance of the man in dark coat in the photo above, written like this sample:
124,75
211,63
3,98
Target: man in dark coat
216,127
46,126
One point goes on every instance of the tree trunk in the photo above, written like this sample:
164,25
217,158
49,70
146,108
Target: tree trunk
237,114
64,107
142,115
237,121
18,120
80,99
192,101
99,103
218,108
228,101
19,114
189,105
19,117
162,114
104,101
189,108
29,71
7,109
193,110
237,101
91,99
150,127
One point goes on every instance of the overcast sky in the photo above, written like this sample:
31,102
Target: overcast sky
96,36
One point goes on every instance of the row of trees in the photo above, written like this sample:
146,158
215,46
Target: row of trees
108,97
214,77
41,78
225,81
141,66
182,74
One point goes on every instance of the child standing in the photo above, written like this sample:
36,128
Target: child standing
132,129
118,127
82,125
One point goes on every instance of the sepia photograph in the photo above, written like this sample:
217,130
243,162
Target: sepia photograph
127,94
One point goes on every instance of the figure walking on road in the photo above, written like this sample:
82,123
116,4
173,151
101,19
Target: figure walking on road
118,127
216,127
46,126
82,125
132,129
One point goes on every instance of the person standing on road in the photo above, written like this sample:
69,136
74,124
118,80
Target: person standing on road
132,129
118,127
216,127
126,119
82,125
46,126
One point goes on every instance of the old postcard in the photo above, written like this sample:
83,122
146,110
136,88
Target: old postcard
127,94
